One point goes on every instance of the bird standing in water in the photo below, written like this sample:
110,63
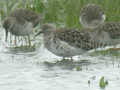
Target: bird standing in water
71,42
21,22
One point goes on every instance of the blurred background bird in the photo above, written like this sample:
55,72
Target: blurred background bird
21,22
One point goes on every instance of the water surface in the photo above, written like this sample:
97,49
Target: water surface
41,70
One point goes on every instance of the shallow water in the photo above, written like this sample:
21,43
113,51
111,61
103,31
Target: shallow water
41,70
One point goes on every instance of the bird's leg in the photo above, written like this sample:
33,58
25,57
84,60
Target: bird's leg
63,58
21,41
10,40
25,40
29,41
18,40
71,59
15,41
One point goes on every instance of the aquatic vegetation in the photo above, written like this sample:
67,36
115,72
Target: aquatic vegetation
89,82
106,52
103,83
22,49
78,68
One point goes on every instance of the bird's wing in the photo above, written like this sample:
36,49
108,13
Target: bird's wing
112,28
79,38
27,15
11,23
24,13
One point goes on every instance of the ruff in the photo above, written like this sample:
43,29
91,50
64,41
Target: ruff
92,15
21,22
70,42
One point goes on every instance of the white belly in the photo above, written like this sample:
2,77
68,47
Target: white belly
61,48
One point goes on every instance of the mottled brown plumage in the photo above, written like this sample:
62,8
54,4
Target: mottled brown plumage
27,15
70,42
112,28
85,38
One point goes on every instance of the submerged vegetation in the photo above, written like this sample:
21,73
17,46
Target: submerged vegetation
103,83
61,12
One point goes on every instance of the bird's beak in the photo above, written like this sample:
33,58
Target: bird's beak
6,35
40,32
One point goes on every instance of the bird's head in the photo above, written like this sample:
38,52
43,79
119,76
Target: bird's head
46,28
92,15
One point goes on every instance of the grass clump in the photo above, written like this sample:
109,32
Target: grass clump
61,12
67,12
